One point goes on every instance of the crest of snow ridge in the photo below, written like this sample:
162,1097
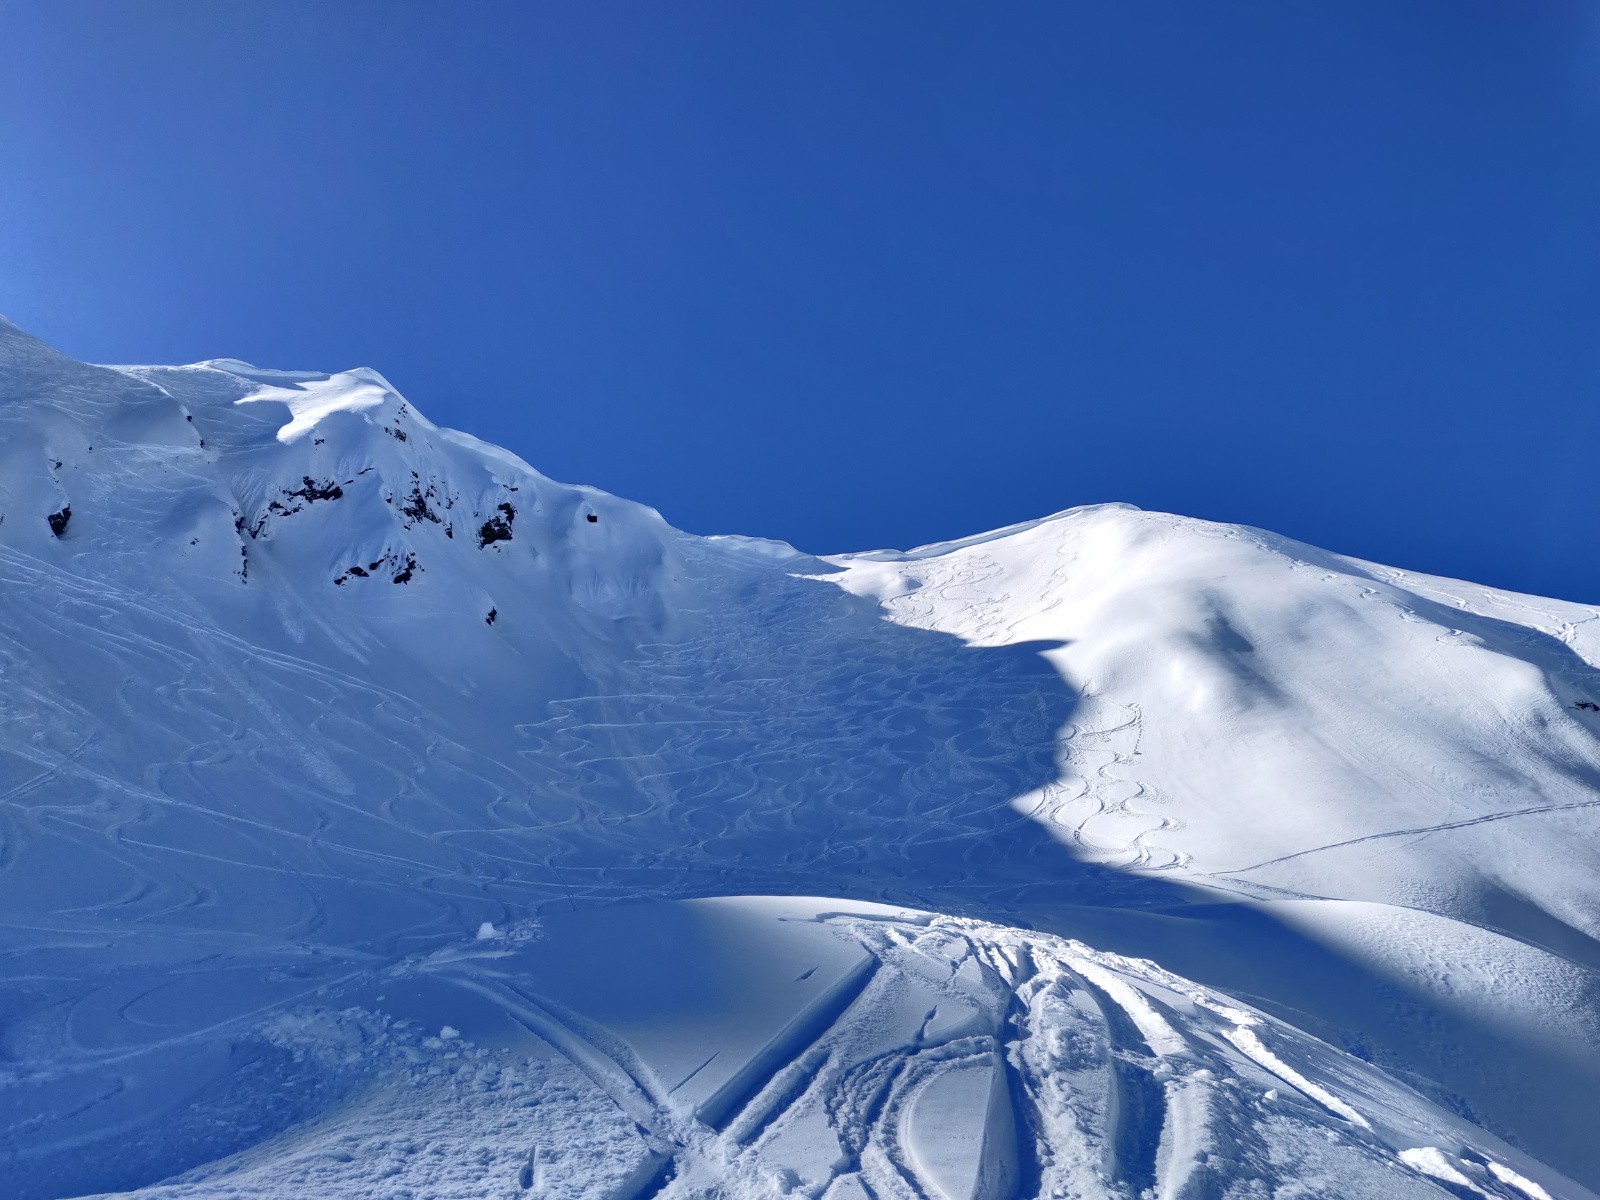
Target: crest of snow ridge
222,471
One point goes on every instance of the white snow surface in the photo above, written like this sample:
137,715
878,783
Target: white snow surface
379,818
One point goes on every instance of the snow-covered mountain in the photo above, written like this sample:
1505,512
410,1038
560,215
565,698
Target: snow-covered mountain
380,818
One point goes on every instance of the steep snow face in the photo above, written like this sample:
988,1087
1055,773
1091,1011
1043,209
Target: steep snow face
357,781
218,470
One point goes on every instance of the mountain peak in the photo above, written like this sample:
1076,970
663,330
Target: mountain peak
367,789
226,473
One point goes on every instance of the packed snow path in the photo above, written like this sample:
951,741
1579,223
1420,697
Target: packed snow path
301,694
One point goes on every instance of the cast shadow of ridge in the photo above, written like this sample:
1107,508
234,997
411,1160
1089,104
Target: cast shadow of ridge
801,743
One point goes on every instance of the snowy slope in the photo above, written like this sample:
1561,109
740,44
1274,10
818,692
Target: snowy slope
358,784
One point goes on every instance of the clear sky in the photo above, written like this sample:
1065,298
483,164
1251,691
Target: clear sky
866,274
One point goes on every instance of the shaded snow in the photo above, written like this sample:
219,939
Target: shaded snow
1162,857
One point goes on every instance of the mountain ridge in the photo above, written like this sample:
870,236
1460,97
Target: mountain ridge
307,694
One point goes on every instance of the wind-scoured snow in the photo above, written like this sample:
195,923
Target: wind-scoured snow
381,818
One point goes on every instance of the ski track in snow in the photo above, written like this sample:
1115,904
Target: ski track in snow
1421,830
252,807
1090,1090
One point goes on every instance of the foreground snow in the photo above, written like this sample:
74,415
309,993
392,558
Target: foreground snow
776,1046
357,783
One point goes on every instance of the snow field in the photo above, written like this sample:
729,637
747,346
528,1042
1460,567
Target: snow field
380,818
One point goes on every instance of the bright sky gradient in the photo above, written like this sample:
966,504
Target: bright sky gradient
857,275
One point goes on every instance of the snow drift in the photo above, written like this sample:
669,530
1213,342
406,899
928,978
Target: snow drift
379,817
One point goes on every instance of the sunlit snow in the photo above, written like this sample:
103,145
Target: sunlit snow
379,818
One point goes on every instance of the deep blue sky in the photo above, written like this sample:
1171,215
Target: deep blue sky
871,274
